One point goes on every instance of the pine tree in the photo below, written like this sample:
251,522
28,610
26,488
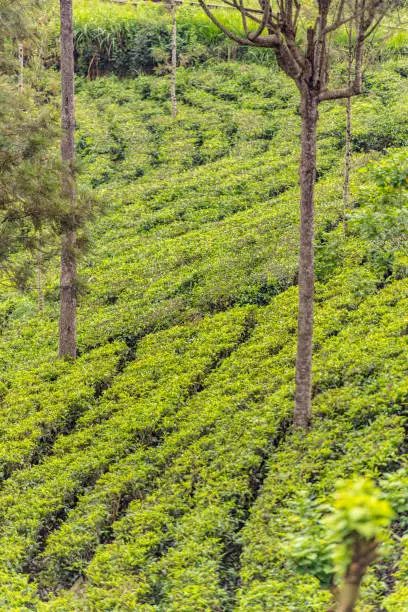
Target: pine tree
29,166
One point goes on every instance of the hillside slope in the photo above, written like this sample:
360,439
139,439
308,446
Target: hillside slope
159,471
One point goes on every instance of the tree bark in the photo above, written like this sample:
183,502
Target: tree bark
40,306
173,60
364,554
303,394
347,166
39,274
347,155
349,597
68,302
21,64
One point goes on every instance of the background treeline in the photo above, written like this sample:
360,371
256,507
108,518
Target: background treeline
129,40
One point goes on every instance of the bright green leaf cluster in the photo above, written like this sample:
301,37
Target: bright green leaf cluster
360,511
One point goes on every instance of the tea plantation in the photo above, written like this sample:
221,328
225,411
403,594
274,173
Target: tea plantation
159,471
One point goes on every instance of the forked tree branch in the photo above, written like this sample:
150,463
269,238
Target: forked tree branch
238,39
306,63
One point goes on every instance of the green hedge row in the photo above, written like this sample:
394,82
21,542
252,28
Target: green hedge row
155,469
35,499
179,546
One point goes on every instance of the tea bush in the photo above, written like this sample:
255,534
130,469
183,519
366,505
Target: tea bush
159,471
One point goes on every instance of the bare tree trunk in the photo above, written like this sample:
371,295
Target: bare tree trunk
173,60
21,63
68,302
347,166
303,395
40,289
39,275
347,155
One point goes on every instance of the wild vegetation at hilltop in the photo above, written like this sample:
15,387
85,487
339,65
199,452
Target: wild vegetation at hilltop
159,470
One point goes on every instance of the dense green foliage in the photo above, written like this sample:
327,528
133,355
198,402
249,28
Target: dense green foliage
29,170
159,470
129,40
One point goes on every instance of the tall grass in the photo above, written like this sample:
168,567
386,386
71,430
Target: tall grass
129,40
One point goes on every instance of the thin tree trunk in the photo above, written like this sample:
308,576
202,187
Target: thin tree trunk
68,302
21,71
40,289
347,155
303,395
39,275
173,60
347,166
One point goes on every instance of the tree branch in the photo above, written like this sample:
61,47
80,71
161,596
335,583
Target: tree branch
337,94
254,35
238,39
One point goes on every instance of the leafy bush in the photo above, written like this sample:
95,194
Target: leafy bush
383,215
360,511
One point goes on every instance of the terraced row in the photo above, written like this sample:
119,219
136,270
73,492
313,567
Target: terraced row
150,435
